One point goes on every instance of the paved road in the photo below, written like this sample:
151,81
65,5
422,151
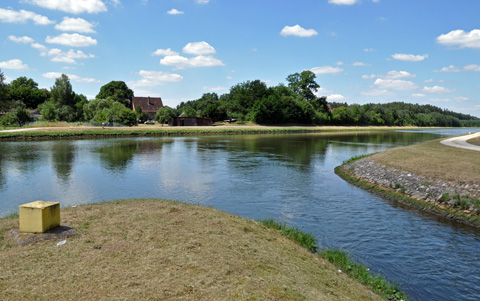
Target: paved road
461,142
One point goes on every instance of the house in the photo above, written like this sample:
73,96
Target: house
149,105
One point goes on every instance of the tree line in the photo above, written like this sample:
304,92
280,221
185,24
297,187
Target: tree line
294,103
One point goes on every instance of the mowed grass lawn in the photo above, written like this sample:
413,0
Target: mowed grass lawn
155,249
435,160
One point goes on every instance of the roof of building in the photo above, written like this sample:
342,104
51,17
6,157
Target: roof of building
148,104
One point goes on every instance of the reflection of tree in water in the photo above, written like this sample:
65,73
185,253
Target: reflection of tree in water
63,155
297,150
2,162
118,154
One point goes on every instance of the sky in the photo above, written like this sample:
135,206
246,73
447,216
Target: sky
362,51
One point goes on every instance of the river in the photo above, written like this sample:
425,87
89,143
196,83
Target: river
288,177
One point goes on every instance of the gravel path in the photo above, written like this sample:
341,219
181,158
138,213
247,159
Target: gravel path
461,142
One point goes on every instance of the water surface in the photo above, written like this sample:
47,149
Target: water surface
287,177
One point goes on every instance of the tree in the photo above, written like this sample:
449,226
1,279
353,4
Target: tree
62,92
48,111
303,84
19,117
118,91
141,115
26,91
164,114
5,101
190,112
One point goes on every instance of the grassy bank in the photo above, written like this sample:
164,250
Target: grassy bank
432,160
153,249
77,131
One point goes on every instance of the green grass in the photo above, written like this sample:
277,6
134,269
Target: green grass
361,273
306,240
340,260
353,159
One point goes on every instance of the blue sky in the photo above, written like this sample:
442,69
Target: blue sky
362,51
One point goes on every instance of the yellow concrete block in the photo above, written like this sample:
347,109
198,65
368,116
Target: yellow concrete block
39,216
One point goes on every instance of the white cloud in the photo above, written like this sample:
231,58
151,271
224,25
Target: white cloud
397,75
360,64
14,64
369,50
72,6
72,40
366,76
450,68
335,97
395,84
155,78
39,47
343,2
473,67
69,57
181,62
418,95
377,92
437,90
164,52
175,11
22,16
23,40
409,57
202,1
198,48
461,38
326,70
55,75
298,31
76,25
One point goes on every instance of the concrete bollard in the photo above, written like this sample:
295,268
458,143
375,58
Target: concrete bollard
39,216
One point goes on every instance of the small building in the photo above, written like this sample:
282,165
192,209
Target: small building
149,105
190,121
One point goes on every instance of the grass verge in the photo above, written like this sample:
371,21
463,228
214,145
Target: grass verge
75,132
391,194
340,260
156,249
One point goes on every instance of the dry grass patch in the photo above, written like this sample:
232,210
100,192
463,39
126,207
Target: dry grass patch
153,249
475,141
435,160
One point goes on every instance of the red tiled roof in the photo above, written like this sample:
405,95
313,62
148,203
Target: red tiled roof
148,104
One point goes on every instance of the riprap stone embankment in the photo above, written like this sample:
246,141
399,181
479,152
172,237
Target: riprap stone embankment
413,185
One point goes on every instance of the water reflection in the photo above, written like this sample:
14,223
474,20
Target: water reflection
63,156
288,177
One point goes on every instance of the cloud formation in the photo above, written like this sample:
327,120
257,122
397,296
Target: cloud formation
343,2
55,75
174,11
326,70
23,40
164,52
298,31
68,57
409,57
198,48
181,62
437,90
72,40
461,38
394,84
76,25
14,64
72,6
155,78
22,16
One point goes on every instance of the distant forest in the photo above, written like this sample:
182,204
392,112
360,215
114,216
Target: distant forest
295,103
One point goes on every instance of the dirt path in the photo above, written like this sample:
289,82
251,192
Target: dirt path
461,142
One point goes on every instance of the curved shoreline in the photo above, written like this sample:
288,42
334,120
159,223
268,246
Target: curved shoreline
429,195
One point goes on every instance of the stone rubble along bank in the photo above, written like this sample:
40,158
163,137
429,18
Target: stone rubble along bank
410,184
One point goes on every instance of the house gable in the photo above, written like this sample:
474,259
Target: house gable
149,105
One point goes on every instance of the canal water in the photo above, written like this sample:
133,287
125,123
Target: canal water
286,177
